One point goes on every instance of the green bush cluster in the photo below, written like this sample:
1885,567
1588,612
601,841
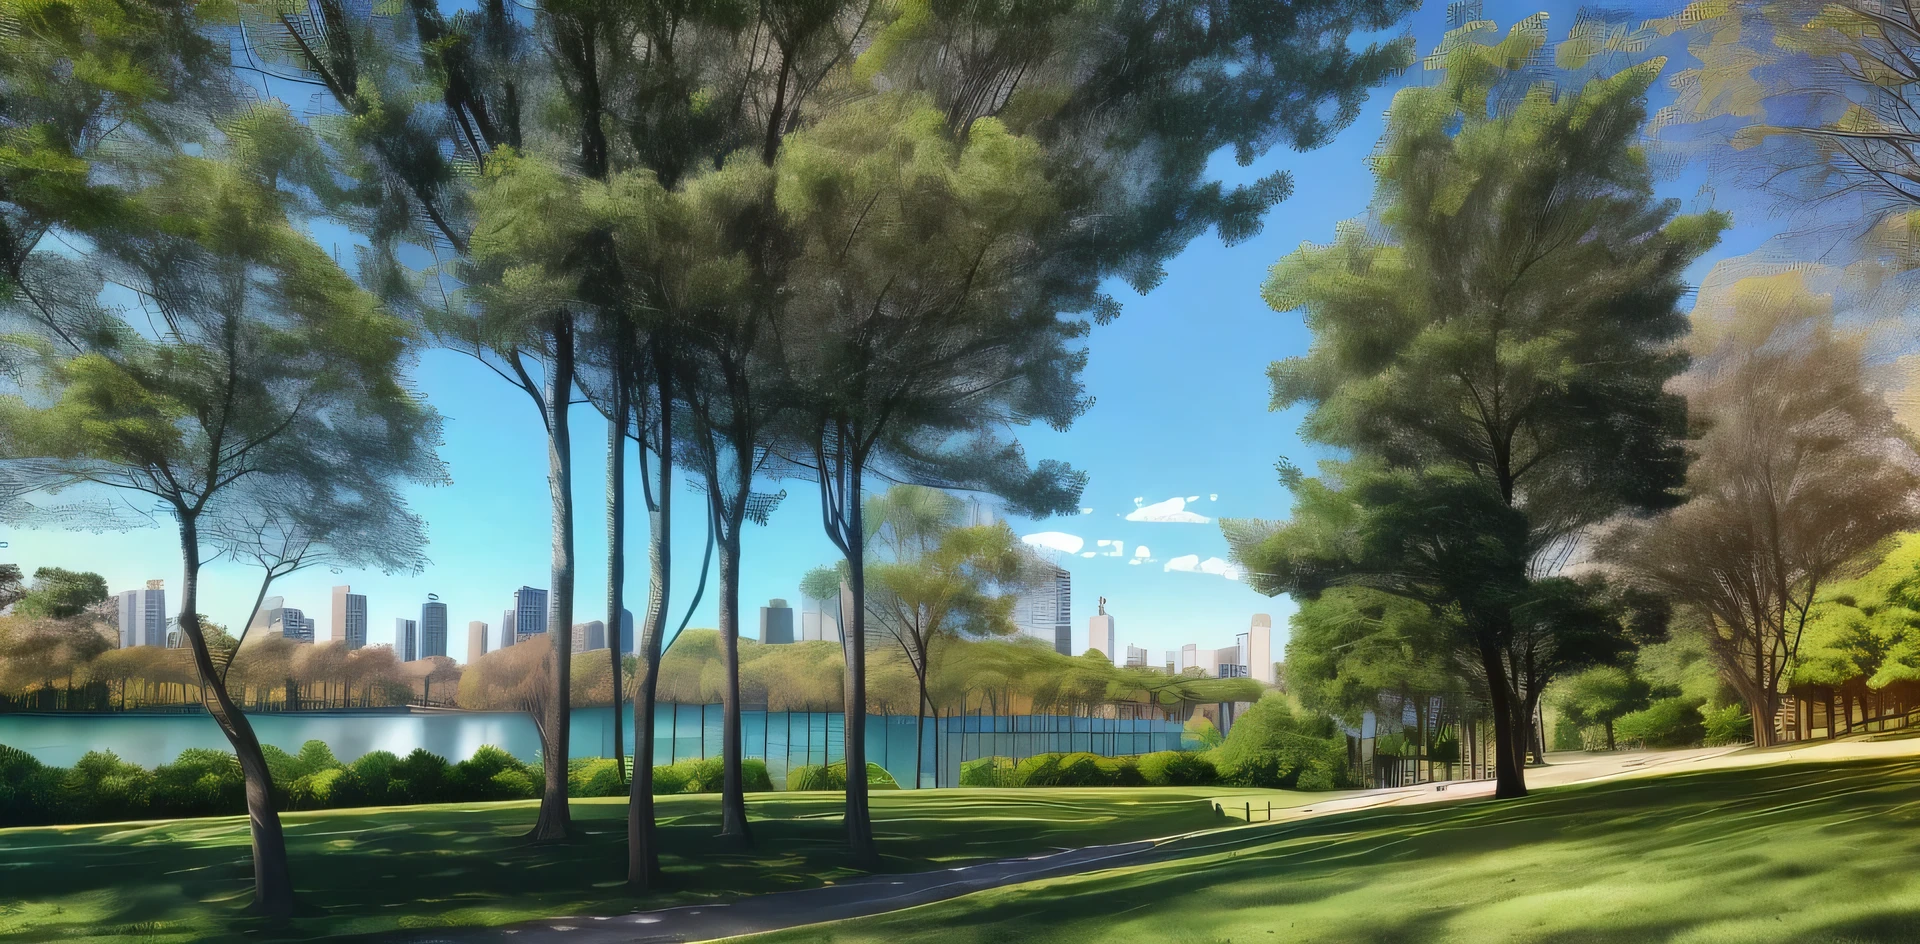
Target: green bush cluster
1270,746
1732,724
834,777
1160,769
599,777
1668,722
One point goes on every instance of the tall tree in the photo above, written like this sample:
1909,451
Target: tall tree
1800,473
1492,352
271,378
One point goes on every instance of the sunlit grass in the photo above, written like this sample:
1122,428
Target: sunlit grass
1822,854
371,870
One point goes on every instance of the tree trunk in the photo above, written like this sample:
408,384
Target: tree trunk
853,635
733,797
1509,775
272,877
617,541
1610,744
920,728
643,854
1758,706
554,821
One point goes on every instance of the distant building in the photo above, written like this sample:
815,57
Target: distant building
627,645
1173,662
1046,611
143,616
290,622
776,623
406,639
476,640
823,623
1100,632
349,617
529,612
1189,657
1136,657
1230,662
264,615
1260,649
433,629
589,636
507,636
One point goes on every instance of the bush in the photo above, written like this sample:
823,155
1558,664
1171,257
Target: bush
494,774
595,777
1730,725
834,777
1272,747
1177,769
200,782
988,772
30,792
1669,722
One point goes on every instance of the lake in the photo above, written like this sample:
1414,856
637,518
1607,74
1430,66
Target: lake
783,739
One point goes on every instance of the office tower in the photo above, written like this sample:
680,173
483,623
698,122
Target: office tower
776,623
263,616
1226,663
1189,657
823,624
307,629
1100,632
507,635
143,616
349,617
529,612
1260,649
1046,612
476,641
1136,657
627,644
290,622
406,639
589,636
1173,662
433,628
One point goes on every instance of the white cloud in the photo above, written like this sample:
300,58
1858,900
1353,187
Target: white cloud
1141,552
1086,511
1192,564
1192,498
1185,563
1088,554
1056,541
1173,510
1214,497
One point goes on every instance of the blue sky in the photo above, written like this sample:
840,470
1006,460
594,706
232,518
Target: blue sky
1180,412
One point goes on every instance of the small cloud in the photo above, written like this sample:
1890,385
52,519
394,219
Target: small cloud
1082,554
1172,511
1214,497
1192,498
1086,511
1192,564
1139,500
1185,563
1103,542
1056,541
1141,552
1136,561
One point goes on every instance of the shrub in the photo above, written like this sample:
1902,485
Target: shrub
1669,722
1729,725
30,792
834,777
322,790
374,774
1272,747
595,777
200,782
988,772
1177,769
494,774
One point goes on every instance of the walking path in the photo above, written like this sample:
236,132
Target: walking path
877,894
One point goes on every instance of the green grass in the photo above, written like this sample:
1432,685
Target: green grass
373,870
1811,854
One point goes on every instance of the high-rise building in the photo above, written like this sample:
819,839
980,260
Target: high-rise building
1173,662
290,622
589,636
349,617
1046,611
1260,649
1230,662
1189,657
627,644
433,628
1100,632
507,636
529,612
776,623
822,624
1136,657
476,641
143,616
307,630
406,639
264,615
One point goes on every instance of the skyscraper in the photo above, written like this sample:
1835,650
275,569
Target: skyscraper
476,641
1100,632
589,636
529,612
143,616
1136,657
433,628
1260,649
507,636
1189,657
626,632
776,623
406,639
349,617
290,622
1046,612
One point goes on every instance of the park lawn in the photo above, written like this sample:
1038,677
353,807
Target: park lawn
1805,853
373,870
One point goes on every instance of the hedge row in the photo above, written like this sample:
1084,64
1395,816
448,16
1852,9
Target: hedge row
1162,769
200,782
834,777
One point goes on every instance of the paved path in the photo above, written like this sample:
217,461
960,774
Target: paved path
877,894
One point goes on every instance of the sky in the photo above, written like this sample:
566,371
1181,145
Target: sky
1178,437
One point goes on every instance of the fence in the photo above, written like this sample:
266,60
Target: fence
1473,760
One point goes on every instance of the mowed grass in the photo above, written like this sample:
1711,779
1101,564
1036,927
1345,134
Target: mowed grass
374,870
1812,854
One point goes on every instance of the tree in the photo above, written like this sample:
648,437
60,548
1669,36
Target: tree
58,593
1800,473
272,378
1599,696
12,585
936,580
1348,647
1493,359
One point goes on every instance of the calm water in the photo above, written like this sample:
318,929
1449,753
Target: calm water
782,739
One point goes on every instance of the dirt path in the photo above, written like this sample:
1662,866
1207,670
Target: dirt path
878,894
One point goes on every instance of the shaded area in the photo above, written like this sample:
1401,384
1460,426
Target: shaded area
369,871
1815,853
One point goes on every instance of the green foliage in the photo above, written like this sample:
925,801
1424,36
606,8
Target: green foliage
1270,746
1201,731
834,777
1669,722
1176,769
1600,695
58,593
1159,769
988,772
1730,724
1348,646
